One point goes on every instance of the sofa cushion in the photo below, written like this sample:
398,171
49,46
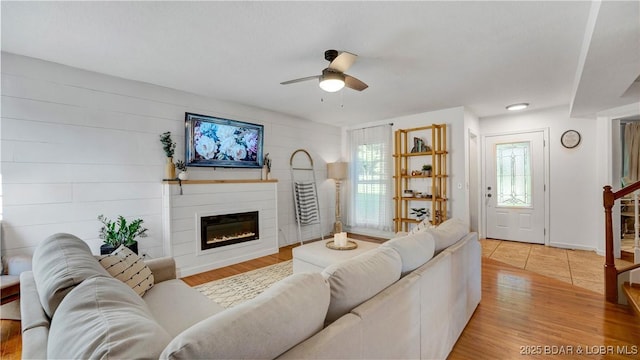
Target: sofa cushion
177,306
448,233
414,250
60,262
103,318
126,266
358,279
286,314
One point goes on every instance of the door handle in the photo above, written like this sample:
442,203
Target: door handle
488,195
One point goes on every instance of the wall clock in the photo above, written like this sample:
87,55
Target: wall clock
570,139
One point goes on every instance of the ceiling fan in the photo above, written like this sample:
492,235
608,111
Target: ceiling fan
333,77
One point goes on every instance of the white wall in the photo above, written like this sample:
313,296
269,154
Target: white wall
474,191
575,193
76,144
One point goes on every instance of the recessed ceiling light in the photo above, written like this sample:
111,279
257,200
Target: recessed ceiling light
520,106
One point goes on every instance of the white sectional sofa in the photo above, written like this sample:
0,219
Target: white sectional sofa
395,301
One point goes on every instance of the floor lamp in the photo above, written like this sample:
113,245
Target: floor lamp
338,172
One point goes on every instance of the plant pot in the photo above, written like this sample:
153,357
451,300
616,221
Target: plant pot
170,169
108,249
183,175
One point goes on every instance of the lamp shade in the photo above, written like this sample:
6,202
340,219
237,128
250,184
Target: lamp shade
337,170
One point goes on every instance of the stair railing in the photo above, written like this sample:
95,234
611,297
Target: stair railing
610,272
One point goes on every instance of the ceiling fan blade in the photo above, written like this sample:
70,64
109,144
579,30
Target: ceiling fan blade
353,83
300,80
343,61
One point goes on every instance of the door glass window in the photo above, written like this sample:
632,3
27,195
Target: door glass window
513,168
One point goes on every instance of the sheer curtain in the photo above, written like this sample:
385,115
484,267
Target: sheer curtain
632,151
370,178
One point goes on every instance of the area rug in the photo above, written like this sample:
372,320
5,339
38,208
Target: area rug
236,289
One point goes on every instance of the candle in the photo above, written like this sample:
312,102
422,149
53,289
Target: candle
342,239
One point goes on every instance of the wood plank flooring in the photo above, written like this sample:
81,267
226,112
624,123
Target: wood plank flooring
523,312
520,312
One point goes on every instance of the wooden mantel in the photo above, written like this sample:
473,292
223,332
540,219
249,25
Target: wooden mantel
222,181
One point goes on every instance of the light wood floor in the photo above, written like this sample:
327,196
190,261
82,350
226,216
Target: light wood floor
520,310
577,267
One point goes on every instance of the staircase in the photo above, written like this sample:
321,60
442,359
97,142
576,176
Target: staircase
630,275
632,292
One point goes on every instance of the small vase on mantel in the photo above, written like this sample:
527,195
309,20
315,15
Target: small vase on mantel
170,169
265,173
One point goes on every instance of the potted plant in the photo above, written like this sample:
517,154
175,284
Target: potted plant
116,233
426,169
169,147
420,213
182,167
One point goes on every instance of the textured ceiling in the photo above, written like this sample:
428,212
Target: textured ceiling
415,56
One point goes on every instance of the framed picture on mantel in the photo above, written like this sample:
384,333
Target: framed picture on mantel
218,142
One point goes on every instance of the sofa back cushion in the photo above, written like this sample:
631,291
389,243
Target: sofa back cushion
61,262
448,233
414,250
358,279
102,318
286,314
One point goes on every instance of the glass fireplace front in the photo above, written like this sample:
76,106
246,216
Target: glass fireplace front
228,229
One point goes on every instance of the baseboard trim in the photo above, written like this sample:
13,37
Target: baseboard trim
573,246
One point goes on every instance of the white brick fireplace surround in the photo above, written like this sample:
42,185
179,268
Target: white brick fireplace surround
181,221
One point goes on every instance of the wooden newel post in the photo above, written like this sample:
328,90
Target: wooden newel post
610,272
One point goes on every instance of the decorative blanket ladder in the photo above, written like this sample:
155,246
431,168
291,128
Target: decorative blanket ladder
305,191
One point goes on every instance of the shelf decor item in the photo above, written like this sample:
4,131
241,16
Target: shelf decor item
420,213
182,167
266,167
169,147
119,232
426,169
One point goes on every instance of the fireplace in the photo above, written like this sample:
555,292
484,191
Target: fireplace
228,229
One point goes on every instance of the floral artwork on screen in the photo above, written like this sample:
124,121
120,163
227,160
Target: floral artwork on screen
221,142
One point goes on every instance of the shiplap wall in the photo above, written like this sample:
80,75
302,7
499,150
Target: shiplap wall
76,144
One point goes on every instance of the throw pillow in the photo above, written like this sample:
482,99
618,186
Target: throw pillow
126,266
421,227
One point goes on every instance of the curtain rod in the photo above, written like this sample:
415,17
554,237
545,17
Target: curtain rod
372,126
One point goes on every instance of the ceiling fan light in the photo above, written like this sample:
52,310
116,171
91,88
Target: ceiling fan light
331,85
516,107
331,81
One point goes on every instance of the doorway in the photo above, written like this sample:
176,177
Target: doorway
514,186
474,184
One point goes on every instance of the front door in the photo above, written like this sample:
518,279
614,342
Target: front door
514,187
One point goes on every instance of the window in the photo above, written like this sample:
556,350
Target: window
513,162
370,191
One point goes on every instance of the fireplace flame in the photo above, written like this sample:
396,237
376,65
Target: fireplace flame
231,237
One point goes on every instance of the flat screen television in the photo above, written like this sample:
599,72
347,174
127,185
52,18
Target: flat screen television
218,142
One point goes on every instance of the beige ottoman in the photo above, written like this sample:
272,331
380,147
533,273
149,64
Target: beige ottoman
316,256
